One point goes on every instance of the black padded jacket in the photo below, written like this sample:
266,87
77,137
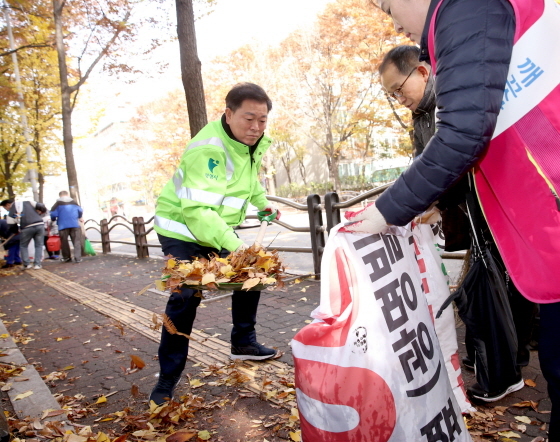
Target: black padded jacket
473,45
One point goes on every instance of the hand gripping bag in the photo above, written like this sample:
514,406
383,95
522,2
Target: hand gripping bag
369,368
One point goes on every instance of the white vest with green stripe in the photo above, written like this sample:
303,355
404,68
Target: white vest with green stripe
209,193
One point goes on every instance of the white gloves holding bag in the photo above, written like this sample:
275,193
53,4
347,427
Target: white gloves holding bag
370,220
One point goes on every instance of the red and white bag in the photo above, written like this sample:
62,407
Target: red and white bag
369,368
435,284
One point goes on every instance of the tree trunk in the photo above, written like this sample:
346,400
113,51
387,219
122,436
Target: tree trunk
67,137
40,176
190,66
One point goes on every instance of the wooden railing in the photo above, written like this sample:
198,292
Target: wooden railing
139,228
331,208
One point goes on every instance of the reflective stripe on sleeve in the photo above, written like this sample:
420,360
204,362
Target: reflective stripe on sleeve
200,196
236,203
215,141
173,226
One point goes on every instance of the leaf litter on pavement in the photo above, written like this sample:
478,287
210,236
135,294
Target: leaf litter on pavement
190,417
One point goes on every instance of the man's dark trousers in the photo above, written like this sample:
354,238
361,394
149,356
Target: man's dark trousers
181,309
75,233
549,357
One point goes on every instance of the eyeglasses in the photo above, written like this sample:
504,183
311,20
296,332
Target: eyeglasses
397,93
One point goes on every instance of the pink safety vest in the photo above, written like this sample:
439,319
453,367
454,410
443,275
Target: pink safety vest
519,175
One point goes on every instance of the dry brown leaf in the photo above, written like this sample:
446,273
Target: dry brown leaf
530,383
136,362
170,327
250,283
156,322
134,391
181,436
522,404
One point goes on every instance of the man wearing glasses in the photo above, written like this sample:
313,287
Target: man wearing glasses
408,81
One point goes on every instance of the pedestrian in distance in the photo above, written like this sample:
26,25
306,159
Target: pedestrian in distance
10,236
498,118
67,213
196,213
25,215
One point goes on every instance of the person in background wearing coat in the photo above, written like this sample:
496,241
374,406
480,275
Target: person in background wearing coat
67,213
10,234
483,68
408,80
195,215
31,226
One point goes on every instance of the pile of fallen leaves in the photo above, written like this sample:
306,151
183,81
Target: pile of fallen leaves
490,423
253,267
190,418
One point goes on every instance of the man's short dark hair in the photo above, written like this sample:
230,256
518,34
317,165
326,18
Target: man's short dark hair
6,202
405,58
246,91
62,193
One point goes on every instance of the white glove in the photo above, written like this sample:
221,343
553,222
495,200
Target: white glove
242,247
368,220
430,216
271,207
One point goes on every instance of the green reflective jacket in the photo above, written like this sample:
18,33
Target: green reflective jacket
209,193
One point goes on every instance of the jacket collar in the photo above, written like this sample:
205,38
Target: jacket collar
424,53
428,102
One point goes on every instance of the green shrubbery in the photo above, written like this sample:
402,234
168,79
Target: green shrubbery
295,190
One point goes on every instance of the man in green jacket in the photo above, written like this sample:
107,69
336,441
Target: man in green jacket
196,211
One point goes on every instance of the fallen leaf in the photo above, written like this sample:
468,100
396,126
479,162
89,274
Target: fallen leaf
524,419
302,299
531,404
195,383
295,436
204,435
102,437
181,436
69,367
289,311
23,395
4,335
302,290
530,383
101,400
76,438
509,434
134,391
136,362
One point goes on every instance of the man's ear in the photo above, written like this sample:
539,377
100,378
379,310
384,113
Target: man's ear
425,72
228,113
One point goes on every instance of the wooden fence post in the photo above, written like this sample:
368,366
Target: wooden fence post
105,241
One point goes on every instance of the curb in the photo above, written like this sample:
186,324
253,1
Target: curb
41,399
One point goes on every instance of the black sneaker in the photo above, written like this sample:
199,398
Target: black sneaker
163,391
468,364
477,392
66,259
253,352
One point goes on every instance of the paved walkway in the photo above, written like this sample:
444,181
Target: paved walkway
81,326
